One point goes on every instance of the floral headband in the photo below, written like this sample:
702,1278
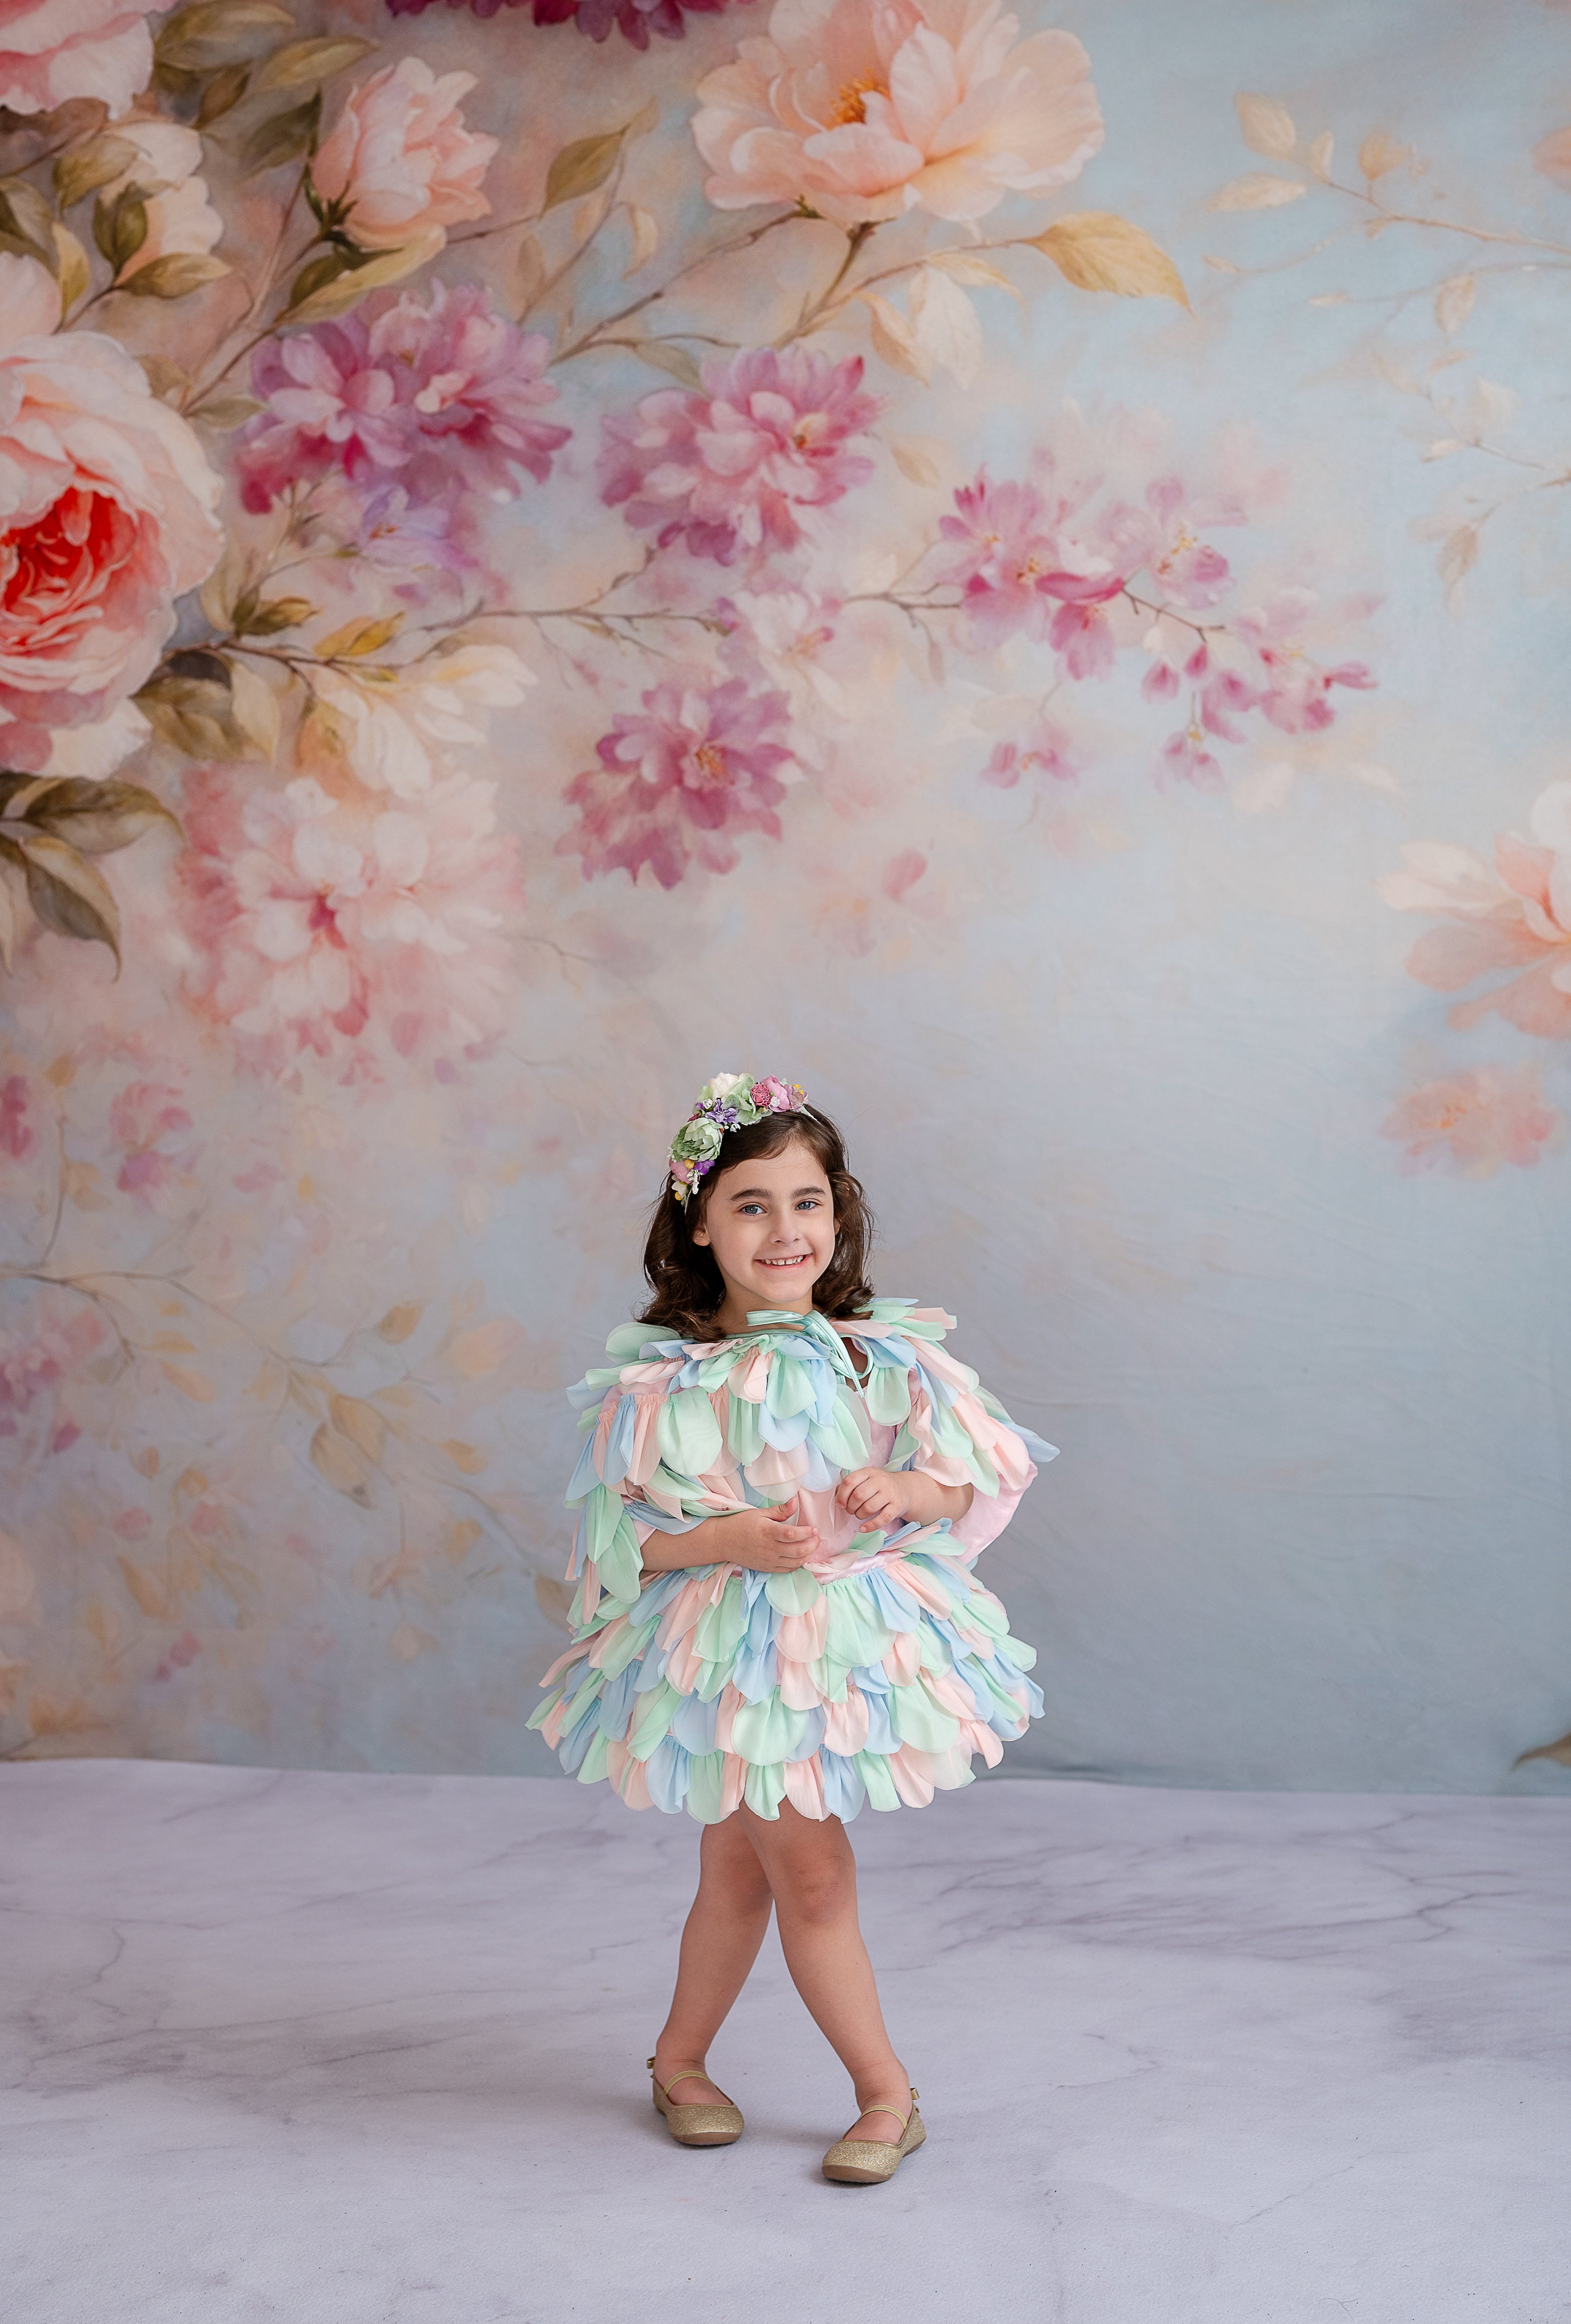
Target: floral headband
730,1101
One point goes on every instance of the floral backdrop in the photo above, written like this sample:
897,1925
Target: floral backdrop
1011,569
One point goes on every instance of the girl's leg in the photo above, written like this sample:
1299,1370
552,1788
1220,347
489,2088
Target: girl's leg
812,1874
720,1944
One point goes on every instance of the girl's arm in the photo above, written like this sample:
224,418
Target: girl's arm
770,1541
891,1497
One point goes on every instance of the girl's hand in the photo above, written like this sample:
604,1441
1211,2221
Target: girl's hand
878,1497
768,1541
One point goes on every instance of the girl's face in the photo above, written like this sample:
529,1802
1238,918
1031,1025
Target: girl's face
771,1225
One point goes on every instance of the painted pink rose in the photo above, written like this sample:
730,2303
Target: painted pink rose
678,779
1515,917
328,919
737,467
54,50
1473,1121
399,161
864,109
106,517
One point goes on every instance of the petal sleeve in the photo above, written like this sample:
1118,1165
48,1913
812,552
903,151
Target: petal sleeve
959,1434
653,1460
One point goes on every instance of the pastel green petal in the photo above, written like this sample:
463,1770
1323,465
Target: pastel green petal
856,1631
705,1786
542,1710
889,1395
687,1433
654,1720
717,1632
917,1719
626,1343
594,1766
602,1511
829,1676
932,1650
1022,1656
765,1731
873,1769
589,1693
950,1437
744,1430
790,1388
621,1563
765,1790
839,1439
793,1593
628,1647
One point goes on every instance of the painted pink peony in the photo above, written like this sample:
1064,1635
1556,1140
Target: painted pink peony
735,466
327,920
1474,1121
1023,570
106,517
54,50
442,401
399,161
1516,917
635,18
678,779
864,109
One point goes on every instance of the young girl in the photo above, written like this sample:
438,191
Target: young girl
784,1487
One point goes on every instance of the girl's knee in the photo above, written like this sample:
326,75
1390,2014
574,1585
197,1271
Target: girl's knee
815,1885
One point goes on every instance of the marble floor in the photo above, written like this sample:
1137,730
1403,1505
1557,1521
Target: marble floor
337,2049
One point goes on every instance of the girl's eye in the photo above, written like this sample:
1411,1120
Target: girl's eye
809,1202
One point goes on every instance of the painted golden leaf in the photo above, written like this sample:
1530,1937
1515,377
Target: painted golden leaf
1267,125
340,1460
1097,250
1257,190
361,1422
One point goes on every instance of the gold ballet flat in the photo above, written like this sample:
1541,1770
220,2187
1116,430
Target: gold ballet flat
695,2126
867,2162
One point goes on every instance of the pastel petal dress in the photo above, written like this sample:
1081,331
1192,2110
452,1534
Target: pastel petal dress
873,1674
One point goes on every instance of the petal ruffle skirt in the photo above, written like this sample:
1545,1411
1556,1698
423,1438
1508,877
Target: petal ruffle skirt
719,1685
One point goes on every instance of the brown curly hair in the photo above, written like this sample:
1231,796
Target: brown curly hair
685,1283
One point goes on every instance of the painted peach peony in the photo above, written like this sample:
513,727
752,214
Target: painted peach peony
1474,1121
399,161
1515,918
864,109
180,216
53,49
106,516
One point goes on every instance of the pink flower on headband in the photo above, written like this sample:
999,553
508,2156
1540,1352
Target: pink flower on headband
772,1096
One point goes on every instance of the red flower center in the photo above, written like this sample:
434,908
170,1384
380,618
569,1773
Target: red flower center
59,569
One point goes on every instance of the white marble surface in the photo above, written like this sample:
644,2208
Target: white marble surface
368,2050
